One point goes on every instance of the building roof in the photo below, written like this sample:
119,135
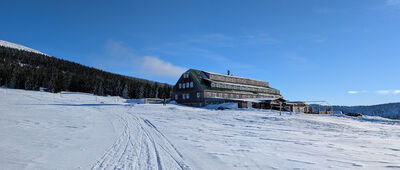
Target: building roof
205,83
232,76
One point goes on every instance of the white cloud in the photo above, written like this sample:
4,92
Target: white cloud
353,92
119,55
386,92
155,66
383,92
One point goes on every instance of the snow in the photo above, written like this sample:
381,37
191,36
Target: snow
19,47
40,130
389,110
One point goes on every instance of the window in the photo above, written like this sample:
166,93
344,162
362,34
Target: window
176,97
223,85
208,94
214,95
198,95
180,85
219,94
212,84
183,96
188,96
217,85
229,86
191,84
187,84
237,96
186,75
183,85
226,95
231,96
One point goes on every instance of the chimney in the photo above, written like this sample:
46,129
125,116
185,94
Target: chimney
229,72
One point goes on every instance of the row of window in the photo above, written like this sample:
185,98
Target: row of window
186,96
185,85
238,80
237,87
232,96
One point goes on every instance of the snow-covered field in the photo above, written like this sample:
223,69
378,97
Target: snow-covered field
41,130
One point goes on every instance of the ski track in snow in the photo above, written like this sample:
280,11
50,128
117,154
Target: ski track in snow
140,146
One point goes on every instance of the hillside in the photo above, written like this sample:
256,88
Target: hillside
19,47
389,110
40,130
25,68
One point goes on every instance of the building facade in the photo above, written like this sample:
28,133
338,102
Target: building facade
199,88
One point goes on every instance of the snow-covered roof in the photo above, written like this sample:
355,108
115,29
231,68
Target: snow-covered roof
19,47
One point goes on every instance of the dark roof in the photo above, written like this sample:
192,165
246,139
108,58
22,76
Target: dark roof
201,78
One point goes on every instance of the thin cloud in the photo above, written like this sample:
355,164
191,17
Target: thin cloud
386,92
155,66
392,3
353,92
119,55
118,49
380,92
356,91
383,92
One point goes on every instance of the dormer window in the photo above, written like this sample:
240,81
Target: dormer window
186,75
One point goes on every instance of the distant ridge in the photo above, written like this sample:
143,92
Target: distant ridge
388,110
19,47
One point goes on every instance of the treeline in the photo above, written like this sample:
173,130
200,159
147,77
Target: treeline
27,70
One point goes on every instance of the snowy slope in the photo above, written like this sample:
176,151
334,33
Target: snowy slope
81,131
19,47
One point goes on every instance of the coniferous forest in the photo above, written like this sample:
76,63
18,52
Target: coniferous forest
32,71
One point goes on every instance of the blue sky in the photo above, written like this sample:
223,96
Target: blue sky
344,51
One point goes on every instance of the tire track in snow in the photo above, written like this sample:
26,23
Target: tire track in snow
140,146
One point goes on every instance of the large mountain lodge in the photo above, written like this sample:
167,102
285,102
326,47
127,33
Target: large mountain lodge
199,88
